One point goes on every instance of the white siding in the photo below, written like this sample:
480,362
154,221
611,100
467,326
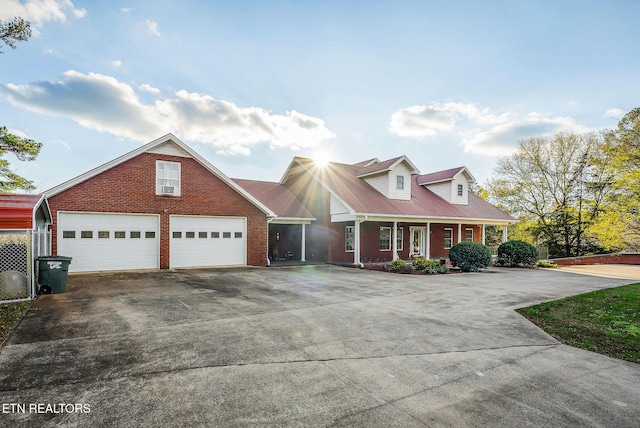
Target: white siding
380,183
460,200
169,148
394,193
441,189
336,207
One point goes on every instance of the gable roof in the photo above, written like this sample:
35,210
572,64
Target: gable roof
277,197
18,211
155,144
360,198
446,175
374,166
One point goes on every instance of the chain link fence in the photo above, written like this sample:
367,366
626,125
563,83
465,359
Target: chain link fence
18,250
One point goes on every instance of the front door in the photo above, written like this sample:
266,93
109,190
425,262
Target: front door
417,241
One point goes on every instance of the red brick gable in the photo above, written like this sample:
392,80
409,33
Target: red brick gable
130,188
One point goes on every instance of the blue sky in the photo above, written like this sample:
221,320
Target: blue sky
250,84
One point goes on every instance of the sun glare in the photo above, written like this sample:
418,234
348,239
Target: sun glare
321,158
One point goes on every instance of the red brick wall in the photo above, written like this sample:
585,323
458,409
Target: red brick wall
130,188
619,258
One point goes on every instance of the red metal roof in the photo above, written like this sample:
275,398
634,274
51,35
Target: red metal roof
17,211
276,197
435,177
364,199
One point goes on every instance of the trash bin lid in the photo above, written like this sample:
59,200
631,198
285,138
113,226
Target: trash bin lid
54,258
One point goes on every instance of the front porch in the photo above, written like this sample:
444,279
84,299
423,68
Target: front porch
383,241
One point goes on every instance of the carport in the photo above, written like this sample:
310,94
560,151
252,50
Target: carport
24,235
287,231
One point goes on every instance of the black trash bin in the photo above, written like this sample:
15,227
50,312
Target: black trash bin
52,274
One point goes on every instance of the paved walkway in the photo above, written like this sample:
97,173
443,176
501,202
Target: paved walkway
308,346
631,272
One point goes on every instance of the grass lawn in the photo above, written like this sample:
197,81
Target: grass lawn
604,321
10,314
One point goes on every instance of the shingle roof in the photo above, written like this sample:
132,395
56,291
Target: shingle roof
276,197
364,199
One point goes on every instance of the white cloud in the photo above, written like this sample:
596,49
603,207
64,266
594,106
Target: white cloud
37,12
103,103
614,113
502,139
126,9
152,27
148,88
116,63
423,121
477,128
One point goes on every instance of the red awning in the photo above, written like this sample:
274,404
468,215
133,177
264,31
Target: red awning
18,211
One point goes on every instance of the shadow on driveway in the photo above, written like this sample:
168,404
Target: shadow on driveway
309,346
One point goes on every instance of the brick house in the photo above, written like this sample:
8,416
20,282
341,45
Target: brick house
159,206
164,206
383,210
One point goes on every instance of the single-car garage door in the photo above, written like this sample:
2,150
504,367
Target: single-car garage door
199,241
108,241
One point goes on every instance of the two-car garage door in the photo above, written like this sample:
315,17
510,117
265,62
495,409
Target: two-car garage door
207,241
106,241
109,241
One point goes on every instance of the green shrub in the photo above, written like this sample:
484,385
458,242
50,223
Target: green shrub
433,267
419,263
470,256
518,253
546,264
399,266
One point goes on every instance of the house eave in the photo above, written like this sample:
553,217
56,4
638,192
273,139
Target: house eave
417,219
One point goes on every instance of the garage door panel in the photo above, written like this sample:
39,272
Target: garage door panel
199,241
112,244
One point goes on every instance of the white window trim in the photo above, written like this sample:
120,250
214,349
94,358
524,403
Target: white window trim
346,234
400,182
390,238
460,189
178,187
445,238
465,234
400,241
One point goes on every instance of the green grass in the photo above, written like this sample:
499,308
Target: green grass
10,314
604,321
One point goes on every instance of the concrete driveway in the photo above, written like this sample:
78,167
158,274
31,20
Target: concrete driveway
308,346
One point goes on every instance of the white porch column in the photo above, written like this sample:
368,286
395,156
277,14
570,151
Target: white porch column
504,233
303,249
459,233
484,240
394,236
356,244
427,242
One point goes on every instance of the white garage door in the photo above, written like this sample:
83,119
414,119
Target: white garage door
198,241
101,241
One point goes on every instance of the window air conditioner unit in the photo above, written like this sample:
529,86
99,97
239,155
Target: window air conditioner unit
168,190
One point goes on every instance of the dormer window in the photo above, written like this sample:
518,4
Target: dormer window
460,189
167,178
400,182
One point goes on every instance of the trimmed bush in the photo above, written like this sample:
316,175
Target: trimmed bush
518,253
400,266
419,263
470,256
433,267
